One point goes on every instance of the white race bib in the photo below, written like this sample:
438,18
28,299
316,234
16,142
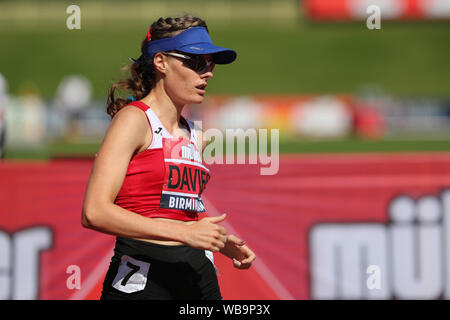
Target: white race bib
131,275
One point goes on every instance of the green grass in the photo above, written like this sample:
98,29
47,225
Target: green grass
350,145
359,146
53,150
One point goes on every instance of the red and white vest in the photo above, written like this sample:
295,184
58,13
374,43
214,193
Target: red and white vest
167,179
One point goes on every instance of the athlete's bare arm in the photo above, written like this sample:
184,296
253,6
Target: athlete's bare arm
129,133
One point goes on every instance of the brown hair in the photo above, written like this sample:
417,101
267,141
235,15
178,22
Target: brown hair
142,76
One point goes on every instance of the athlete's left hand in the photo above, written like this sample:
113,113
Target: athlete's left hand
237,250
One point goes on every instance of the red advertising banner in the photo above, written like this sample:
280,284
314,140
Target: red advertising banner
366,226
323,10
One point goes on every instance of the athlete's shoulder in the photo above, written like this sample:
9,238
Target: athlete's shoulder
129,111
129,128
140,105
131,117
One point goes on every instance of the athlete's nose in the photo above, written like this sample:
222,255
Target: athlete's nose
207,75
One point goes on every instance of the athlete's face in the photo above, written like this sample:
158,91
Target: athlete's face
186,79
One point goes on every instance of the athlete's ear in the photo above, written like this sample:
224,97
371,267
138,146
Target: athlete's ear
160,62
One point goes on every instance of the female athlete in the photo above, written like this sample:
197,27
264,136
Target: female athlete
148,176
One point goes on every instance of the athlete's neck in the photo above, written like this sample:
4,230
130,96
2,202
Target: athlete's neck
167,110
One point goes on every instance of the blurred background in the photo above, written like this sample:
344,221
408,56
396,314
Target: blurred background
350,103
390,86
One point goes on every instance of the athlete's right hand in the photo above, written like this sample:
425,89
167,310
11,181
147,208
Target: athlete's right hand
206,234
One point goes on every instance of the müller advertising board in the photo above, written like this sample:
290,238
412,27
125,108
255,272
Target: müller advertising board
329,226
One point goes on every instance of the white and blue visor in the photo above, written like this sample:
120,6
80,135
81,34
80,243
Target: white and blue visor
194,40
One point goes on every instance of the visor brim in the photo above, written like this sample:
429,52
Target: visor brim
220,55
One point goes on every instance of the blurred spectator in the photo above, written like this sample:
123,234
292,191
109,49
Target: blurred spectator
368,122
72,98
322,117
3,98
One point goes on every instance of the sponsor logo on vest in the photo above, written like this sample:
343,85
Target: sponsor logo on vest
189,152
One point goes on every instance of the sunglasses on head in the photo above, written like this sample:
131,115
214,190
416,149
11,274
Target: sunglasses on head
198,63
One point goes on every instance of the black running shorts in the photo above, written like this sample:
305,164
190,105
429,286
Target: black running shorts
141,270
